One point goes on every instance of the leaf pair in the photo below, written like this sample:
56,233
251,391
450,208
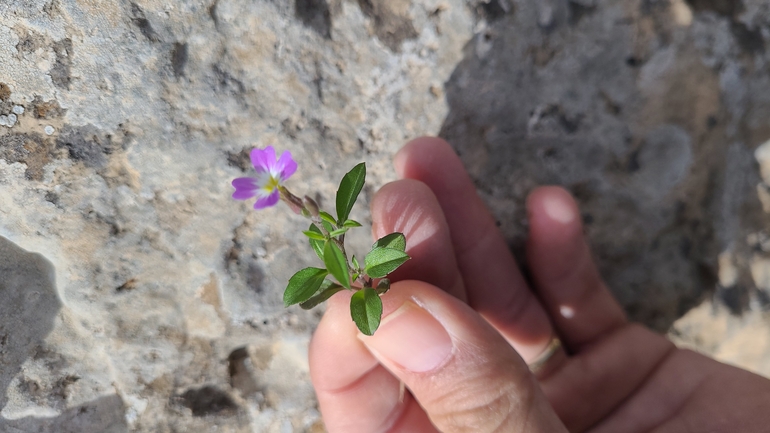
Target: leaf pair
309,288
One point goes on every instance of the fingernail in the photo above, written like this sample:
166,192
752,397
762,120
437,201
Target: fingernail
412,338
558,210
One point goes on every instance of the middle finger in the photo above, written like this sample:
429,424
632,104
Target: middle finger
494,286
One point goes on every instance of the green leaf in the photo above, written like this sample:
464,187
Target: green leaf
382,261
397,241
327,217
326,291
336,263
303,285
316,235
318,245
335,233
366,310
350,187
354,260
351,224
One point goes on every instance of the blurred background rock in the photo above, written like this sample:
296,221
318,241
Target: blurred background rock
154,303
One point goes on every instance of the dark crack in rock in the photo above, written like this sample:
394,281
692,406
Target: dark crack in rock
61,70
241,160
316,15
5,92
179,58
391,22
495,9
87,144
208,400
240,369
729,8
750,41
486,10
578,11
139,19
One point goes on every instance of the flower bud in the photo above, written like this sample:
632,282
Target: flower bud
311,206
292,200
294,208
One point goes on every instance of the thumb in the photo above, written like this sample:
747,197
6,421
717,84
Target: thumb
462,372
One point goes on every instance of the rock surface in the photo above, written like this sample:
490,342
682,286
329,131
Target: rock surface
158,304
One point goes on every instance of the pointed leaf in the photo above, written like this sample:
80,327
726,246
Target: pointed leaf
355,263
327,217
336,263
396,241
351,224
366,310
316,235
318,245
348,192
327,290
303,285
382,261
338,232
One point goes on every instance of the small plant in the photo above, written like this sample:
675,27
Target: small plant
311,286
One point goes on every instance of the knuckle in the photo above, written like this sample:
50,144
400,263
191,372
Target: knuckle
489,405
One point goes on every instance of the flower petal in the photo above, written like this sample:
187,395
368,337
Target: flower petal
268,201
263,160
245,187
286,165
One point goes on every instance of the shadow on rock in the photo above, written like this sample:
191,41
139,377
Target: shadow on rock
554,94
29,304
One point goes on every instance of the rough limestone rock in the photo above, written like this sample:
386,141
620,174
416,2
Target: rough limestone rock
154,301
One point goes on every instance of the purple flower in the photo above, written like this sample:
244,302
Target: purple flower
271,174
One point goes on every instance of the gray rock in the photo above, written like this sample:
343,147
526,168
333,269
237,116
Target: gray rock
137,115
29,305
167,314
639,113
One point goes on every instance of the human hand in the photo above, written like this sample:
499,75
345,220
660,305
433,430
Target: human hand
461,325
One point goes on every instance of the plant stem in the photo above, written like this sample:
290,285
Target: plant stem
298,206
